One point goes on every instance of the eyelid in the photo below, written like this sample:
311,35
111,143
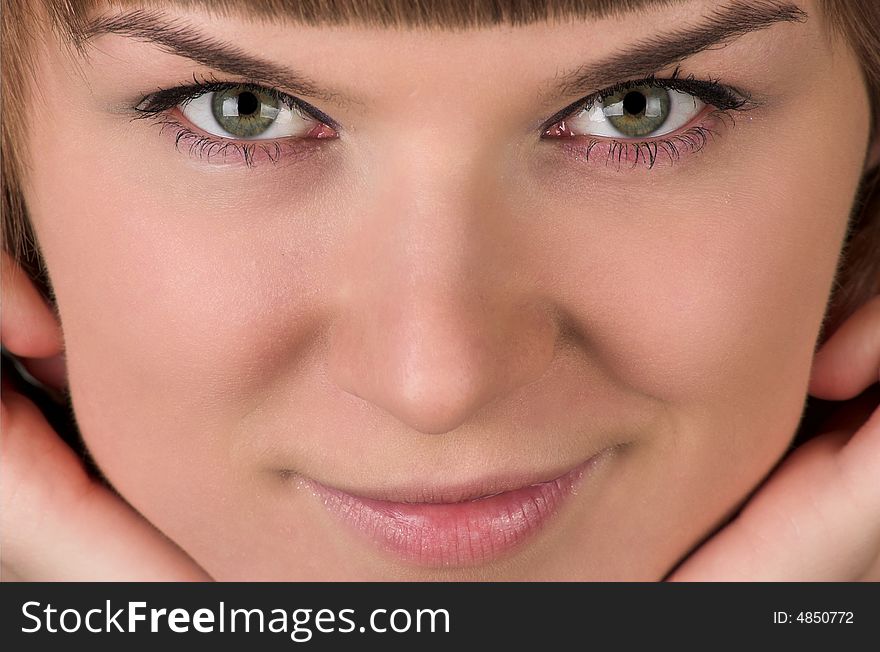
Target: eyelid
167,98
710,91
164,108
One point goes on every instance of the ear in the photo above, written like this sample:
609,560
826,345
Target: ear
29,328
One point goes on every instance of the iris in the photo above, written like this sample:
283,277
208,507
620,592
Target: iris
244,113
637,112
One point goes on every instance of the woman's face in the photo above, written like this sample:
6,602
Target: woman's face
434,302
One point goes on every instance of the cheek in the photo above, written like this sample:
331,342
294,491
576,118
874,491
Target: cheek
713,274
686,303
183,297
707,293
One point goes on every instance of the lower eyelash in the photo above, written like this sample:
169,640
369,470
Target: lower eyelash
250,153
649,152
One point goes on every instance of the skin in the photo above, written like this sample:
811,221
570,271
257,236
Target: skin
356,317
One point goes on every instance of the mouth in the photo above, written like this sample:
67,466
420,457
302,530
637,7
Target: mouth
455,526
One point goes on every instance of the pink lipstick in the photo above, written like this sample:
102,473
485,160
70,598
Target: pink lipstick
463,531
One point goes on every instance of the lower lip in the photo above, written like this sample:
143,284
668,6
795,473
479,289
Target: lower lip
465,533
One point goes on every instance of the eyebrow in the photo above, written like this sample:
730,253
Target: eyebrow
648,56
638,60
181,38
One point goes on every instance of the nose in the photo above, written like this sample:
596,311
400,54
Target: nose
435,317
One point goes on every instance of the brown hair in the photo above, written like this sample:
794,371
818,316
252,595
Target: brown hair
858,274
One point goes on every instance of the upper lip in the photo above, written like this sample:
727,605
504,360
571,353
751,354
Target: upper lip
456,493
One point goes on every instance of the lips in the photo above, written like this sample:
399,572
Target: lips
460,532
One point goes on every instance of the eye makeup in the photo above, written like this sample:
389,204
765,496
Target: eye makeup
718,105
167,108
623,103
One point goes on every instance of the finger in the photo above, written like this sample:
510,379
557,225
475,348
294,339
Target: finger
849,361
851,415
28,327
817,518
8,575
859,461
873,573
50,372
57,523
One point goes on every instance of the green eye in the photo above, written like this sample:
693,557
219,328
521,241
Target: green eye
244,113
637,112
247,113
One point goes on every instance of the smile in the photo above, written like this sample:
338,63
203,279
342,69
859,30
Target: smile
453,527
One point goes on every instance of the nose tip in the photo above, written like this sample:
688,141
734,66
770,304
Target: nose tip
434,365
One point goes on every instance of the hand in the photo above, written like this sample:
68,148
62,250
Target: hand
57,522
817,517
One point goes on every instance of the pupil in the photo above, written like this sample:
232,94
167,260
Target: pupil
634,102
247,103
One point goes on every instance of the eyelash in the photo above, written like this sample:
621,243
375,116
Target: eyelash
156,107
725,100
